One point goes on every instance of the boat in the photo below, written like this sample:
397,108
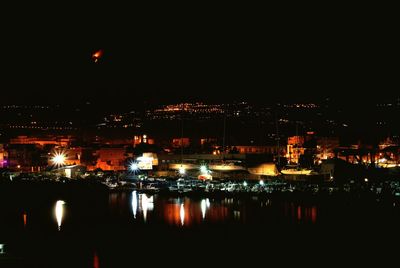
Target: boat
295,170
150,188
111,185
227,165
388,164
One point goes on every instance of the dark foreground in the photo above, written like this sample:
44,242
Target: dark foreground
102,229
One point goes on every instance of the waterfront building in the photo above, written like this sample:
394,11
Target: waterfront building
3,157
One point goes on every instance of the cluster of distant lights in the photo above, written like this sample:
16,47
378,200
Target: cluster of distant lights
25,107
301,105
189,107
118,126
38,127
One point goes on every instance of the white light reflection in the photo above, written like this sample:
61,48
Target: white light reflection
208,202
182,214
134,204
203,208
147,204
59,210
236,214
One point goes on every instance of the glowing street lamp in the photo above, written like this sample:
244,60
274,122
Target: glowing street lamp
58,159
134,167
261,182
203,169
182,170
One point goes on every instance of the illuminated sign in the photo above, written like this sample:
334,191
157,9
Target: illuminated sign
145,163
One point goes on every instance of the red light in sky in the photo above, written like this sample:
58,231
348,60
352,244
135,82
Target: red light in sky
97,55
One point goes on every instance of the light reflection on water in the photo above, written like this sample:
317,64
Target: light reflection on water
301,213
189,211
203,208
143,203
59,212
127,212
182,214
96,262
134,203
147,204
24,217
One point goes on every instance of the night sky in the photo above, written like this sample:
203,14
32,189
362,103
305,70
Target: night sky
222,56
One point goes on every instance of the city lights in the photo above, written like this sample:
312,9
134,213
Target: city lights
185,137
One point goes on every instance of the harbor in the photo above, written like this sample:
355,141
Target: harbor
80,222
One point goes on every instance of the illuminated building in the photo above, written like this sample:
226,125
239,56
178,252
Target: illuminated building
296,140
295,148
387,143
258,149
326,147
72,156
266,169
111,158
3,157
139,139
147,161
179,142
206,141
42,141
26,157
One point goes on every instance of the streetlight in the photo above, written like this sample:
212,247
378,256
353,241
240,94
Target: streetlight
58,159
203,169
182,170
133,167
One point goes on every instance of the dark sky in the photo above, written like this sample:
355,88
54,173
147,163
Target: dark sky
258,55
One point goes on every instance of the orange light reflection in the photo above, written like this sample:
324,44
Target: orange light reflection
24,217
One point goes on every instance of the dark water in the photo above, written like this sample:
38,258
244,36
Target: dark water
84,229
